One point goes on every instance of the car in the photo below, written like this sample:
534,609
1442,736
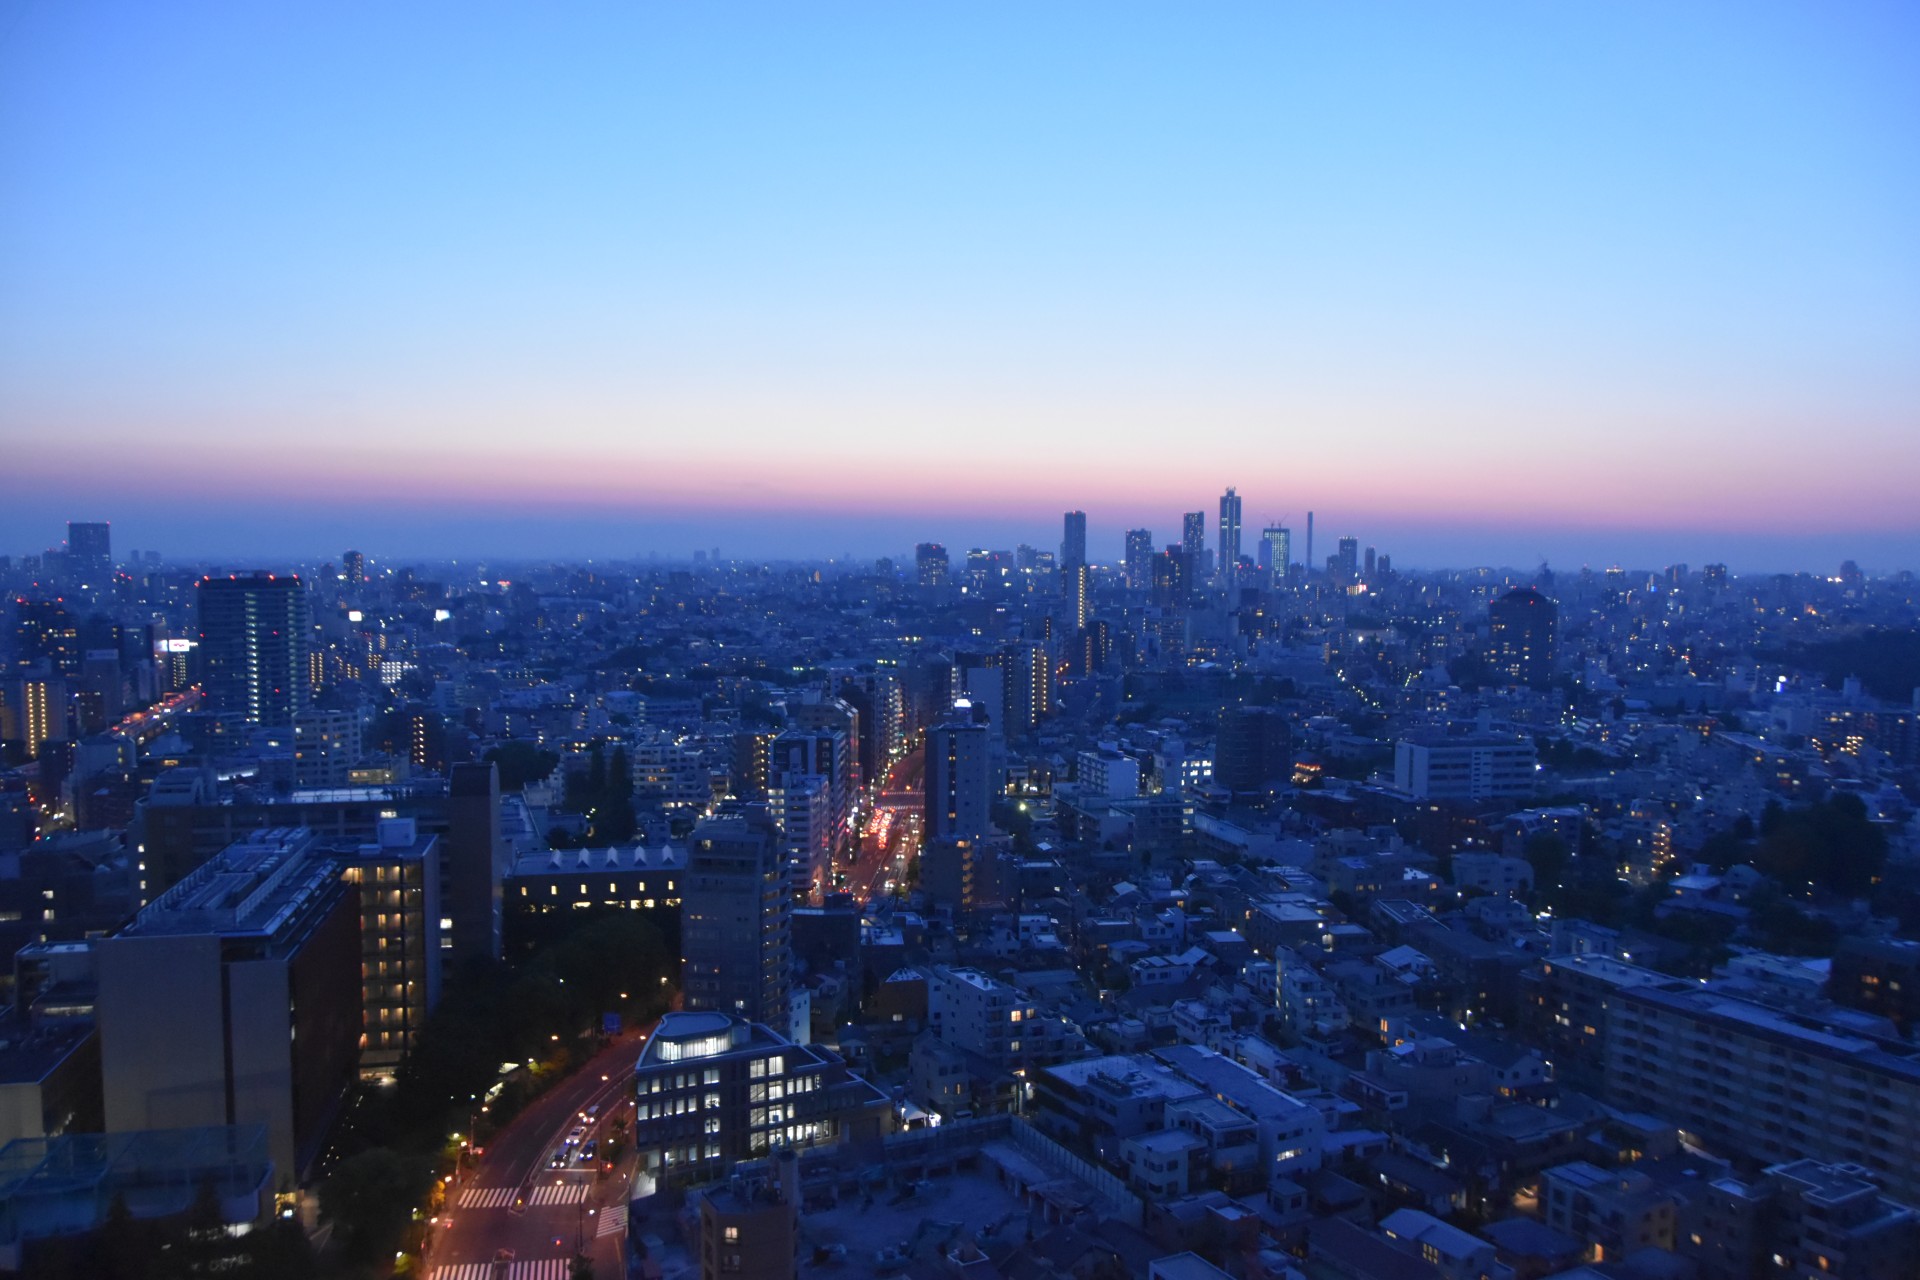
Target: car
586,1152
590,1112
578,1135
558,1159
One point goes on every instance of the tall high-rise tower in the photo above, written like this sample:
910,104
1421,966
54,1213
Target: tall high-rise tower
1139,558
1076,586
1523,624
930,564
1229,537
1193,539
736,916
90,547
958,787
255,632
1347,561
1073,542
1279,548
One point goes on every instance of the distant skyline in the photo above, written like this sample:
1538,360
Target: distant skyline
315,536
1634,283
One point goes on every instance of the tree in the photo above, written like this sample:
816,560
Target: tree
369,1198
522,763
1548,855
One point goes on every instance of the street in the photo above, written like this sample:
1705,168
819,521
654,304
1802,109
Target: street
509,1199
899,796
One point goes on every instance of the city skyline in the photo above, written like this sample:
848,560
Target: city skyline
1633,285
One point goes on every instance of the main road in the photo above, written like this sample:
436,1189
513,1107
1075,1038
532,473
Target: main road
509,1216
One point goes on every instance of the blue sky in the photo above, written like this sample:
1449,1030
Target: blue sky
1479,283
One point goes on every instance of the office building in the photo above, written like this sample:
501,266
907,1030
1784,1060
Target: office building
255,634
736,915
1523,624
353,567
636,877
1466,769
1276,544
90,549
234,998
930,564
1139,561
1073,542
1229,538
714,1089
958,779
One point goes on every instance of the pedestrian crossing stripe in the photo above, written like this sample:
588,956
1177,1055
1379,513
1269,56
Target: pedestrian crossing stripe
532,1269
564,1193
486,1197
613,1219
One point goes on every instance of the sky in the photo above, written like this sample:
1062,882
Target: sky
1476,283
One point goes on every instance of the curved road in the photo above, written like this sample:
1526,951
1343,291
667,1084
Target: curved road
510,1200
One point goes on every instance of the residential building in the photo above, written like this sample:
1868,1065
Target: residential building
736,913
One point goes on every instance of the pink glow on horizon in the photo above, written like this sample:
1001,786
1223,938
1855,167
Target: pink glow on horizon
1601,497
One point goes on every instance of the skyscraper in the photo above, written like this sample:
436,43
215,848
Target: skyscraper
46,634
1193,538
1172,577
736,914
1076,586
1139,559
1523,623
255,632
353,567
1279,547
1347,560
1229,537
930,564
958,786
1073,543
90,547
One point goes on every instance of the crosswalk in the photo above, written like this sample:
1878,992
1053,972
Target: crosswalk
613,1219
501,1197
532,1269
